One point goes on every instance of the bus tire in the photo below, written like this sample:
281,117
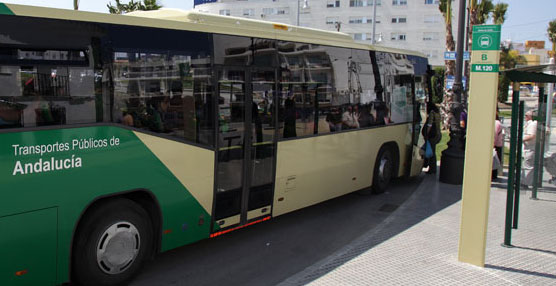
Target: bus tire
112,243
384,167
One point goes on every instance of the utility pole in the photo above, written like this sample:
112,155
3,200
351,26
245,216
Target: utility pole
374,23
297,22
75,4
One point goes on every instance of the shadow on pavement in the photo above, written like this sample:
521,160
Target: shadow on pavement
270,252
527,272
535,249
430,198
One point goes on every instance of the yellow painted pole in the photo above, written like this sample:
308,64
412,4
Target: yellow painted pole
479,144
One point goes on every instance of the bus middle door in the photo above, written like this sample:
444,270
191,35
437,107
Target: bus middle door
246,146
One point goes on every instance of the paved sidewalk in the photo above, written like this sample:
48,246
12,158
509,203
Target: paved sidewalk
418,245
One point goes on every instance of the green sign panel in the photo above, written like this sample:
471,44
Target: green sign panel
484,68
486,37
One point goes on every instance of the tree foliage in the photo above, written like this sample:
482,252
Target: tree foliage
499,13
551,30
483,11
131,6
509,59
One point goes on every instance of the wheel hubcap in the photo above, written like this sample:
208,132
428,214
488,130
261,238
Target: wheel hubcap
384,169
118,247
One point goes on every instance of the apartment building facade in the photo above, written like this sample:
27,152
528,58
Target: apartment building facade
408,24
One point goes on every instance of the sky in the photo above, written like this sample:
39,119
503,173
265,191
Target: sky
525,19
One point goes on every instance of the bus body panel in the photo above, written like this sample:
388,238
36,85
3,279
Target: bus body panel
417,161
120,162
316,169
28,248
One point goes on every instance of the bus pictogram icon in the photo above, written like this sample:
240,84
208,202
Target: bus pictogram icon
485,41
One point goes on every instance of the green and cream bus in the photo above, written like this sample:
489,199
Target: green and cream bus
122,136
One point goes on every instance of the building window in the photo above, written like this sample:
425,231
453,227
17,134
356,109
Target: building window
358,3
362,36
225,12
331,20
397,37
360,20
367,2
432,19
399,2
248,12
429,2
283,11
430,36
355,20
333,4
399,20
269,11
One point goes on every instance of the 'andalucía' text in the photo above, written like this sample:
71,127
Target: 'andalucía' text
42,166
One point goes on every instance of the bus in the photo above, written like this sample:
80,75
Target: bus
123,136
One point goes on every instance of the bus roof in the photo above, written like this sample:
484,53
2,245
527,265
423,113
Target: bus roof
177,19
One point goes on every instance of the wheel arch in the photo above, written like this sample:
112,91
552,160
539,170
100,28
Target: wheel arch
143,197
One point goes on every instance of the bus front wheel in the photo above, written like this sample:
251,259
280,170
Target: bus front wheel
112,243
384,166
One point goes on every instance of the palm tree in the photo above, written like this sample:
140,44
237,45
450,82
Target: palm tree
483,11
150,5
499,13
552,36
120,8
445,7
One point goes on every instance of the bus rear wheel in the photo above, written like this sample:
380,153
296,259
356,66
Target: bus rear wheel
384,167
112,244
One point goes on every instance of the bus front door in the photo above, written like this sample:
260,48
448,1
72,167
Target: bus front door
246,146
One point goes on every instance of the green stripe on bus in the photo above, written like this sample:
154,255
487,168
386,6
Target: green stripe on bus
4,10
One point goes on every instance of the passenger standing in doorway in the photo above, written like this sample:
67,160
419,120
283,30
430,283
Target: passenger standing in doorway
529,135
432,135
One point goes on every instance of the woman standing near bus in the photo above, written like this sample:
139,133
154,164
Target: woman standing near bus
432,135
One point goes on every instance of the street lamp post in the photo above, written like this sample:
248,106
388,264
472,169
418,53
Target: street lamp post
451,162
305,6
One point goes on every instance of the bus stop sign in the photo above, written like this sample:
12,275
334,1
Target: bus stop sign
486,43
486,37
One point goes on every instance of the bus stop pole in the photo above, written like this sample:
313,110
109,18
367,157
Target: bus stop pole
538,154
511,168
517,191
542,134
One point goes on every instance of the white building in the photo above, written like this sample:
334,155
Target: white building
408,24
